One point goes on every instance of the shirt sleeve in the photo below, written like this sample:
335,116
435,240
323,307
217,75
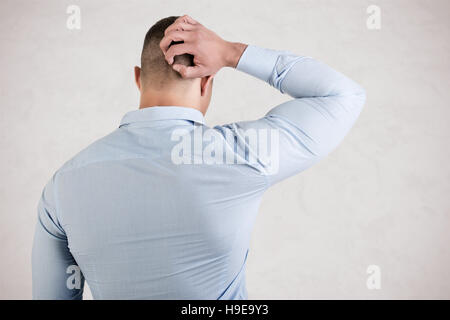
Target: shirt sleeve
55,273
301,131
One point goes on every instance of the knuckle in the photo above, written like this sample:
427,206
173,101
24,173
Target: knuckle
169,28
177,26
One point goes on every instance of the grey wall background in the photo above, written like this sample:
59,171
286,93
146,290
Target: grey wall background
381,198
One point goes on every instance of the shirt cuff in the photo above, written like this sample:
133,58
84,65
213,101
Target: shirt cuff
258,62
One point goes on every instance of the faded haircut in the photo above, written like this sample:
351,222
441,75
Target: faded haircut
156,72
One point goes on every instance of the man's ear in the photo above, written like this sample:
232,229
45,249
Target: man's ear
137,77
205,83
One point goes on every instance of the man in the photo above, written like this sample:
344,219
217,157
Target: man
163,207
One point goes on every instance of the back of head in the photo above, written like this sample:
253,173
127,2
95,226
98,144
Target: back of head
155,71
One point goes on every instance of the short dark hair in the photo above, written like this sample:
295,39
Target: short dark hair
155,69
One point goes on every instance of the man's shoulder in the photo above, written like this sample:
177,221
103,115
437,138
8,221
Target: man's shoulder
107,148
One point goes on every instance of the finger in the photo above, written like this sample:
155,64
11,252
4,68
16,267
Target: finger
176,50
189,72
174,36
186,18
181,26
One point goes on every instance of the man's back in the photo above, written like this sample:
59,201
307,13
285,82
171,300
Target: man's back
127,208
164,206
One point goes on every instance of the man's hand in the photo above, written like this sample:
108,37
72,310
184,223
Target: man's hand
211,53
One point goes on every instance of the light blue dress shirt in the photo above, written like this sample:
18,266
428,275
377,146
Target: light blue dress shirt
135,224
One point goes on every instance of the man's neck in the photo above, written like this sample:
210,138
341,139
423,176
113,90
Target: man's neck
154,99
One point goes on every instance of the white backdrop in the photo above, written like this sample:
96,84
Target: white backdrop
387,186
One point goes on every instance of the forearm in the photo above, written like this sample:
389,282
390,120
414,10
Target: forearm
295,75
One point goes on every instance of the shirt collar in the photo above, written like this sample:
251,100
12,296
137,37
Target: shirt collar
162,113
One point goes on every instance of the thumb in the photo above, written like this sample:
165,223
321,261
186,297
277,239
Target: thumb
188,72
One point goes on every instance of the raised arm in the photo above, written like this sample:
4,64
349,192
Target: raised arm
324,107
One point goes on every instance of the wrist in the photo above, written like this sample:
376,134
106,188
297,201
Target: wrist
233,53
